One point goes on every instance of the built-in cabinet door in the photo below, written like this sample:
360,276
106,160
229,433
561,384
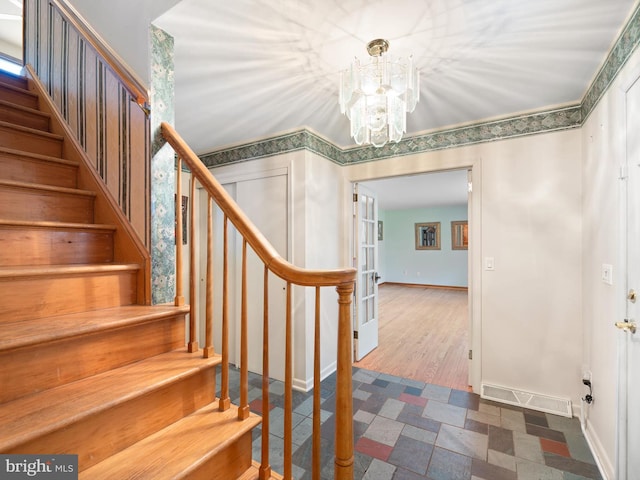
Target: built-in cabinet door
265,201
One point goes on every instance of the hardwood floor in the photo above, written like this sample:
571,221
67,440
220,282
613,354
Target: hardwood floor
423,335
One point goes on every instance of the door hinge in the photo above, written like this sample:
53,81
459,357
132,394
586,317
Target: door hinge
470,354
355,334
355,198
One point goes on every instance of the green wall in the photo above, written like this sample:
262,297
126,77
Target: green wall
399,260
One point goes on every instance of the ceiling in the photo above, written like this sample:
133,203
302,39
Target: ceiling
424,190
250,69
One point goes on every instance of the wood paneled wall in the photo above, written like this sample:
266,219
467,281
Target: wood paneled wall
97,105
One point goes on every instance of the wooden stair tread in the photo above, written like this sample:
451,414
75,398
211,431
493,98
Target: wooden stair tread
15,79
33,131
35,415
38,156
49,329
57,225
59,270
176,450
27,110
24,91
47,188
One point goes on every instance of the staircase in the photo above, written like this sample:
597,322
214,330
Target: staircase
86,367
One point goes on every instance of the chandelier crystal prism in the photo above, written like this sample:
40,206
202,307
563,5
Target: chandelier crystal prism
376,96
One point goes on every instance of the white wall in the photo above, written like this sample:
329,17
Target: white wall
603,140
125,29
526,214
405,264
323,238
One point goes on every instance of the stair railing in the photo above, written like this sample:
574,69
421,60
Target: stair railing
342,280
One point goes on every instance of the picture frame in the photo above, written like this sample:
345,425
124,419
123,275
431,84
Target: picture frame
380,228
427,236
460,235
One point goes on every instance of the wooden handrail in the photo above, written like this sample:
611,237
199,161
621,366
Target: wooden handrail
115,63
343,280
257,241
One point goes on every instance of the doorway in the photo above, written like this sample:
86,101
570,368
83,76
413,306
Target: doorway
436,281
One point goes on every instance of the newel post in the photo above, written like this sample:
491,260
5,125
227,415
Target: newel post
344,398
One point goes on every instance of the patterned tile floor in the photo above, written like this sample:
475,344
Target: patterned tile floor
409,430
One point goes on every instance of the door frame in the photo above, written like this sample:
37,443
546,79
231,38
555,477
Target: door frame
474,166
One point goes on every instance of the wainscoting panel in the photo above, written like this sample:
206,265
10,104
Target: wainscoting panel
103,114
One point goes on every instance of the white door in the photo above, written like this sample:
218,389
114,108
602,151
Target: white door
264,201
366,261
629,418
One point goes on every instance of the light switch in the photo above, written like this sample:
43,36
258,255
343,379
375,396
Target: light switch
489,263
607,274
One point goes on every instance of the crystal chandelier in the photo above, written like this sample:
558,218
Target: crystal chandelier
376,96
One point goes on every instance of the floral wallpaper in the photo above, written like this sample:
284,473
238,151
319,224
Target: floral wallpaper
163,255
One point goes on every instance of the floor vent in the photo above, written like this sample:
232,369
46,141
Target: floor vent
534,401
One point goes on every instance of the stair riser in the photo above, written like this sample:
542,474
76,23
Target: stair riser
101,435
27,169
18,82
49,246
38,297
23,118
231,462
30,142
45,206
22,371
18,97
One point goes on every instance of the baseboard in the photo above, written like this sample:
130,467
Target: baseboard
607,470
424,285
305,385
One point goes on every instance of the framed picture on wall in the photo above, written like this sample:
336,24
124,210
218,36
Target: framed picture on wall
428,236
380,229
460,235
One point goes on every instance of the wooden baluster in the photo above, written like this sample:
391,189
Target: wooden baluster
179,299
207,350
225,401
265,467
315,465
288,391
193,272
343,460
243,409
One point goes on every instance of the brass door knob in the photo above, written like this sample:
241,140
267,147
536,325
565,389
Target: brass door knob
629,326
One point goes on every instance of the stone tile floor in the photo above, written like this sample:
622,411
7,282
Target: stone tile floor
409,430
